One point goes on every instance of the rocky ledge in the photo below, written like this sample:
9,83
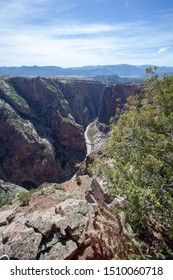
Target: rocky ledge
82,228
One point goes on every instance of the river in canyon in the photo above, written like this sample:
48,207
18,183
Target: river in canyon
87,140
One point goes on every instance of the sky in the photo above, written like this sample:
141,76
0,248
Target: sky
71,33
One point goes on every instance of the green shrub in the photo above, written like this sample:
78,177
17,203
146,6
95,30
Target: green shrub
58,187
24,198
78,181
4,199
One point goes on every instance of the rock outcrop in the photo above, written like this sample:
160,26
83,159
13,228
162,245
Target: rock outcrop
115,96
95,194
8,192
72,229
42,127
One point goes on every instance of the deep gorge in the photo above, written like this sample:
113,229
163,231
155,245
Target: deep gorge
42,124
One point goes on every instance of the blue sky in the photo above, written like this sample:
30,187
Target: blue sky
70,33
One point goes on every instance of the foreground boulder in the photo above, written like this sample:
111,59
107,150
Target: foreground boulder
73,229
55,225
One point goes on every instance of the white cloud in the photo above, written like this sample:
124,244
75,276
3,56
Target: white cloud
35,32
31,12
85,29
163,49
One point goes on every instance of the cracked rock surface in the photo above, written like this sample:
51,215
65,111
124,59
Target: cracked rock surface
71,229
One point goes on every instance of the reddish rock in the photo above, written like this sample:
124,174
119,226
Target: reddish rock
113,97
73,229
42,119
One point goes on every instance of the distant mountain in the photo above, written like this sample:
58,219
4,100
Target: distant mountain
123,70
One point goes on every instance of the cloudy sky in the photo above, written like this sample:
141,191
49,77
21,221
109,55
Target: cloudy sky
70,33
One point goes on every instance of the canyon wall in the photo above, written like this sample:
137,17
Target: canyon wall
42,125
115,96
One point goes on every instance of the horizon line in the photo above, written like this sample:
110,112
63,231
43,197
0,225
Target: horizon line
99,65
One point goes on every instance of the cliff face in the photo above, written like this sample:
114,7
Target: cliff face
85,106
115,96
42,122
41,133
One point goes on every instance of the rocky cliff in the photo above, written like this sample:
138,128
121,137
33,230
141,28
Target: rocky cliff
42,122
83,98
42,127
115,96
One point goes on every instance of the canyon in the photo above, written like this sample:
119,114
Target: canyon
43,132
42,124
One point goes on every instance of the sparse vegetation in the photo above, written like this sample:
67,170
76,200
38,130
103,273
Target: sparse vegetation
24,126
4,200
58,187
14,95
24,198
78,181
